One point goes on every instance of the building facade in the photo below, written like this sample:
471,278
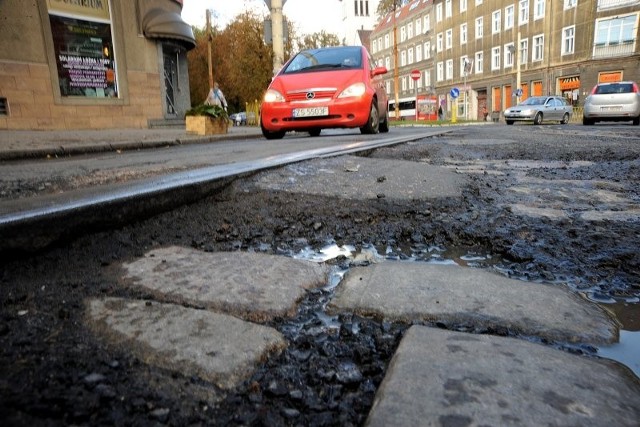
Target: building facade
358,18
495,53
93,64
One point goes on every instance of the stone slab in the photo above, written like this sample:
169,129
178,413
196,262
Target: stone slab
455,295
216,347
443,378
362,178
252,286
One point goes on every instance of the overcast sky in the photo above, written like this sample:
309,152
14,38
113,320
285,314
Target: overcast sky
308,16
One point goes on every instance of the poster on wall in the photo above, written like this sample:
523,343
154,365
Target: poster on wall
427,107
84,51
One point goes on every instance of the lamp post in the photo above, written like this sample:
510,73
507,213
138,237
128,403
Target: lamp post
396,68
277,22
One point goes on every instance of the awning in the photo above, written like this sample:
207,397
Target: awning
159,23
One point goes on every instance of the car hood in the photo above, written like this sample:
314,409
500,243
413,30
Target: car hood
338,80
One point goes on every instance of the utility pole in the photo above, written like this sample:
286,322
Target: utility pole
396,68
209,42
277,22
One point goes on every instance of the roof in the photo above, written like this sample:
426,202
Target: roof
410,9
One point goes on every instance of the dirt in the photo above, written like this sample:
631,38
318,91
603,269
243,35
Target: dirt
53,371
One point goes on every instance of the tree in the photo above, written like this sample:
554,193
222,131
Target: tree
385,7
318,40
242,62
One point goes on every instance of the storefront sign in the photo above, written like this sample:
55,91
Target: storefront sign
612,77
569,83
83,8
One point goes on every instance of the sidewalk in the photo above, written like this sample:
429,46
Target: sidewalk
19,144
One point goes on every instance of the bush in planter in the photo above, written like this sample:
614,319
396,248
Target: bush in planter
207,119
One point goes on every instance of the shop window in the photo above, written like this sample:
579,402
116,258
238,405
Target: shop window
4,107
84,57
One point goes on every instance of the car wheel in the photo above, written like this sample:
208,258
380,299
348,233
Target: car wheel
509,122
373,124
537,119
384,124
272,135
315,132
636,121
565,119
587,122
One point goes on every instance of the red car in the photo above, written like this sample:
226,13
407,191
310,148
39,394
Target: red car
333,87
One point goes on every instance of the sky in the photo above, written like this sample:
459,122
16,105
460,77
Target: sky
308,16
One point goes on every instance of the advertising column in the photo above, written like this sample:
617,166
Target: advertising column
83,45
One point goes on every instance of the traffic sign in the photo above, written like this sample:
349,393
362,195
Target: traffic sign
518,92
454,93
415,75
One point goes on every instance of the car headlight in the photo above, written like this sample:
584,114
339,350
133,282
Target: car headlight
273,96
527,112
357,89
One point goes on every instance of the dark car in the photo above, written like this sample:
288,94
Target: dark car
332,87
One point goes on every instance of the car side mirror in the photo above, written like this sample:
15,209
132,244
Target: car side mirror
378,71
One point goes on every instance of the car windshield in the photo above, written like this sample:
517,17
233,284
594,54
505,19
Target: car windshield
325,59
533,101
614,88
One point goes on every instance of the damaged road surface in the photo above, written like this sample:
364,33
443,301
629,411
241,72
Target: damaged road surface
469,279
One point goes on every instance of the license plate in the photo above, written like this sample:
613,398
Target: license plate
311,112
614,108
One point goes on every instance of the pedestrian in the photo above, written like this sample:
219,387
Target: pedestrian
440,113
216,97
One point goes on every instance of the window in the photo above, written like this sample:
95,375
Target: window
403,33
386,41
374,48
410,30
495,22
440,71
478,2
508,17
479,28
509,51
380,43
524,51
448,8
427,50
427,23
418,27
495,58
568,40
569,4
463,33
538,9
479,63
403,58
84,56
439,42
410,55
449,38
439,12
427,78
411,83
617,30
404,84
387,62
419,53
614,4
449,69
463,5
538,48
524,12
361,7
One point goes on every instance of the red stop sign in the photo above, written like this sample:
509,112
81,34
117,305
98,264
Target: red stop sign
415,74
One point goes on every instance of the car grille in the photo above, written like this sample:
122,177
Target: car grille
317,94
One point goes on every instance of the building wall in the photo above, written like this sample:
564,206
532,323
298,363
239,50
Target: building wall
357,15
571,74
29,80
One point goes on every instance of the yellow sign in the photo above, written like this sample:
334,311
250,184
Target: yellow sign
81,8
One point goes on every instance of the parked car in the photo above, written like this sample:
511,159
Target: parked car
239,118
539,108
332,87
612,102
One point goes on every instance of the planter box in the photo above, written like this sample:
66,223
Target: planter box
205,125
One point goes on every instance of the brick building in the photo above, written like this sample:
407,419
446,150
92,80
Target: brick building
92,64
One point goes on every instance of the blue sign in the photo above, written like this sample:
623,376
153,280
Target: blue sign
518,92
454,93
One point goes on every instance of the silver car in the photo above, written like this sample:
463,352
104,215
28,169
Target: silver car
613,102
539,108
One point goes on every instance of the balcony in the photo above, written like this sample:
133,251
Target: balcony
613,50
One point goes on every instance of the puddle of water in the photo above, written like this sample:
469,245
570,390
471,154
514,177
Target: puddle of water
625,309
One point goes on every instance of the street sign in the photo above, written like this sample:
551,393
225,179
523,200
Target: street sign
415,75
454,93
518,92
